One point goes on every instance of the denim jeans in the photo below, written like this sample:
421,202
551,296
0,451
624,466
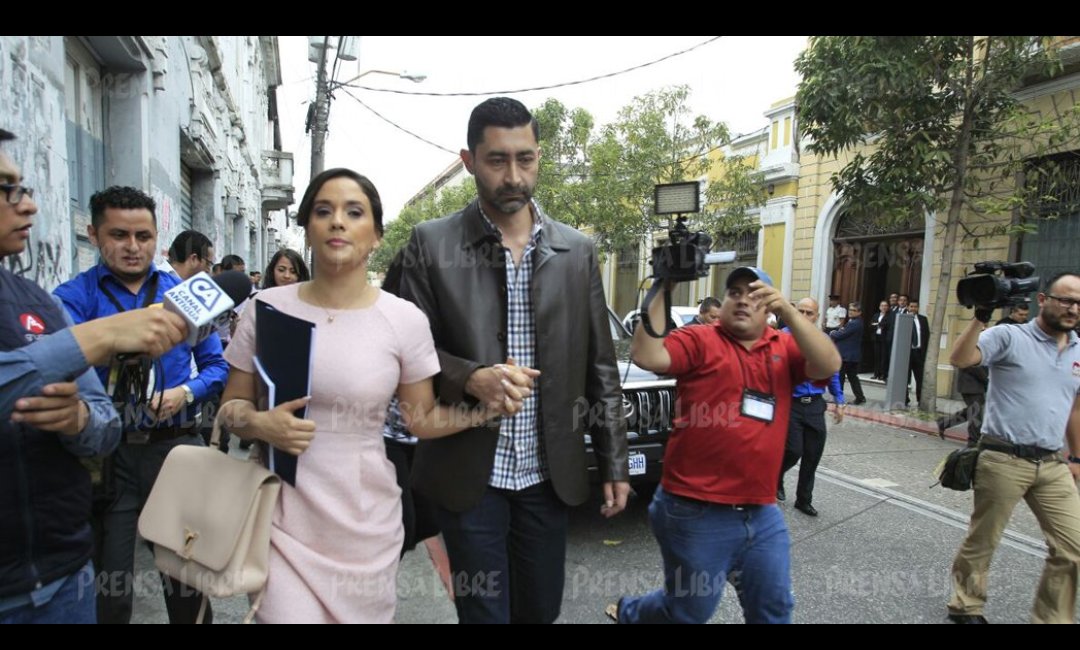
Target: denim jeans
705,545
73,603
508,556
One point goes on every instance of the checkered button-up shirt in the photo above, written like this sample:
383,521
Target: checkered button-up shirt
520,461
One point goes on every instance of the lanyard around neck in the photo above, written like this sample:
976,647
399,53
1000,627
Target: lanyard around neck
151,293
742,366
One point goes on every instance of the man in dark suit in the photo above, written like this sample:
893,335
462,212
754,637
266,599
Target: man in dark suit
503,279
848,340
897,305
972,383
920,341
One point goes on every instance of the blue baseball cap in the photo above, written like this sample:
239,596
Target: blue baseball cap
750,273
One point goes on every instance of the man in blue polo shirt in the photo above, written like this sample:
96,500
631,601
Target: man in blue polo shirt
124,229
806,430
1032,408
714,514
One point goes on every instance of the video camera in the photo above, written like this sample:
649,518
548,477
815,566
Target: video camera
686,256
997,284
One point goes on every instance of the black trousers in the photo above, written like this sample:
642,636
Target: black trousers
806,441
881,362
917,362
972,413
850,369
135,468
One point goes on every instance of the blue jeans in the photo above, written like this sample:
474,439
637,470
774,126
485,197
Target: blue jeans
705,545
72,604
508,556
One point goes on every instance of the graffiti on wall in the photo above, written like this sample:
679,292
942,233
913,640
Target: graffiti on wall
32,108
43,262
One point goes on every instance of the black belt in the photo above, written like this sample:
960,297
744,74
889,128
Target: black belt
807,399
1030,452
741,507
157,435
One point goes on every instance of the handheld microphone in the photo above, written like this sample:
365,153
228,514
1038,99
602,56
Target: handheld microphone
204,302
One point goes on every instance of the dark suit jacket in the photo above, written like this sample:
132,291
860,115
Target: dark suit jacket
973,380
454,269
888,326
848,340
924,342
874,325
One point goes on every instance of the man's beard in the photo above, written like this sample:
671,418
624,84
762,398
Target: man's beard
1057,323
498,198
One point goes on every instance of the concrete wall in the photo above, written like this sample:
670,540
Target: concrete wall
31,106
166,101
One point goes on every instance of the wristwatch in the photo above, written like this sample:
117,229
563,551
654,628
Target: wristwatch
1074,459
189,395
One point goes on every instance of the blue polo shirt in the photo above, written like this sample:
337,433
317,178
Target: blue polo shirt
85,299
816,387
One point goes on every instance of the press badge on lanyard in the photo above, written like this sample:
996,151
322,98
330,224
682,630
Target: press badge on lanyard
756,405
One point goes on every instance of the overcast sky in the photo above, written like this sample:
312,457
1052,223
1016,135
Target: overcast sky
733,80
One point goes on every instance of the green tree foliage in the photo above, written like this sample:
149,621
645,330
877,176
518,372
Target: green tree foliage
397,232
604,181
934,127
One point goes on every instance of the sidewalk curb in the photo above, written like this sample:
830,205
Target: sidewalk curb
901,421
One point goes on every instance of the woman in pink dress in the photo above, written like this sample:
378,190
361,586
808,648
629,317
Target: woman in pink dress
337,534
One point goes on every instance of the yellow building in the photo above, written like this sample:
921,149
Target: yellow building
836,251
772,151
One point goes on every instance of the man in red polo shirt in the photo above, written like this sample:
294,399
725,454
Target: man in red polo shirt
715,514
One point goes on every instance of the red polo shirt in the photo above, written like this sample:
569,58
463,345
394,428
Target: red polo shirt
715,453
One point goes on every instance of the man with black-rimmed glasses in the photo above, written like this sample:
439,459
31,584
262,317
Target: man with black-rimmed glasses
1037,362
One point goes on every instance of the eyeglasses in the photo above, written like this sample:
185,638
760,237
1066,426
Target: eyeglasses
1067,303
15,193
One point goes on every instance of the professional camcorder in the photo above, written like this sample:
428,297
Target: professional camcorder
997,284
686,256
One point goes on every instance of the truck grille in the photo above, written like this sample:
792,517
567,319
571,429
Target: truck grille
648,411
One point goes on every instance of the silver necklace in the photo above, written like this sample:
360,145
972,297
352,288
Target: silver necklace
330,316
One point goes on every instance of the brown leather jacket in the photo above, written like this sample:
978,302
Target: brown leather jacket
454,269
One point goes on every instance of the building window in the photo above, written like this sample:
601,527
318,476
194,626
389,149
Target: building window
85,141
1052,248
746,247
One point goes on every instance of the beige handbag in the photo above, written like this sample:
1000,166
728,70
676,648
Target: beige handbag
208,516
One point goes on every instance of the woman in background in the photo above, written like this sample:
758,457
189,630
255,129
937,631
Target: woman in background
286,267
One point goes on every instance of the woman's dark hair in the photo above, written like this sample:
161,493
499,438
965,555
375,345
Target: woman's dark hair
302,273
307,204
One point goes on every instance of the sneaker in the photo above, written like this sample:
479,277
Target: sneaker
968,619
612,612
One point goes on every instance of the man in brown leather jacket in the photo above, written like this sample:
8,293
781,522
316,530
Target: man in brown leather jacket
502,280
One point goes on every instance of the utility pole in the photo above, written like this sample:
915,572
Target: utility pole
322,113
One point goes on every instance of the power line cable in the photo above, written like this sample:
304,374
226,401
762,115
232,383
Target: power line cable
525,90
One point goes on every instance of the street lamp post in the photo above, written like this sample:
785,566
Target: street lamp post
321,119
